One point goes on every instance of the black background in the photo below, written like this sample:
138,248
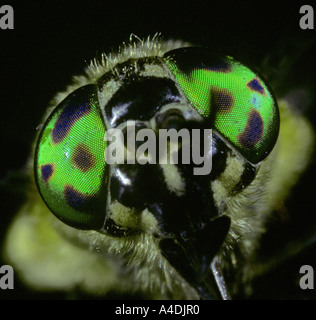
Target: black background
52,41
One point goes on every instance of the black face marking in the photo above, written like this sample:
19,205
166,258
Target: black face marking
132,185
219,156
255,85
82,158
222,100
75,106
140,99
191,58
253,131
246,178
47,171
74,198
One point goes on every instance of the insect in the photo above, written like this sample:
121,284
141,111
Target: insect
157,229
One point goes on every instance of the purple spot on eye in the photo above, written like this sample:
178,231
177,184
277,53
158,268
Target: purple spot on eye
74,198
222,100
220,66
255,85
47,171
67,118
253,131
83,159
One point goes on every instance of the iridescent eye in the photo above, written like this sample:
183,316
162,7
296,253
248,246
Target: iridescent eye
233,98
69,161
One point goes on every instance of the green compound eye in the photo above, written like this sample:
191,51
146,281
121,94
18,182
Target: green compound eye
69,161
234,98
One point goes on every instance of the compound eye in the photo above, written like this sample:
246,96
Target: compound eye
234,99
70,168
